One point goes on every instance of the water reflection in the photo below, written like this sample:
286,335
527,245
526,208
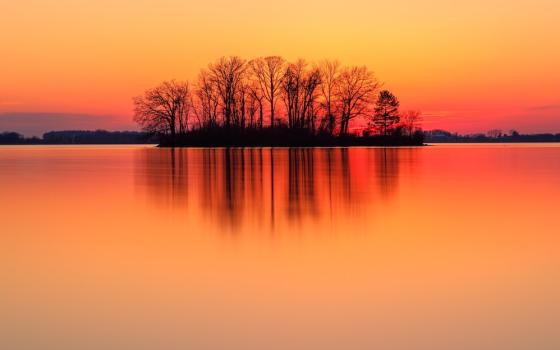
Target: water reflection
265,187
302,192
388,163
166,175
454,246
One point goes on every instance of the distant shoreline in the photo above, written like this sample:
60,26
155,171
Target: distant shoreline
489,142
220,138
426,143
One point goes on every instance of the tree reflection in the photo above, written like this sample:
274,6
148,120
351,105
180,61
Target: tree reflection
164,174
270,187
388,167
302,199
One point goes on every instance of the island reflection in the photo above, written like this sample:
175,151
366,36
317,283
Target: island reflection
264,187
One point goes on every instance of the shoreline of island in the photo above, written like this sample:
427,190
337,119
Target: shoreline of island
283,137
221,138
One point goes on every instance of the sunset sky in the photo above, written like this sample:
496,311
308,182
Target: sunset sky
469,66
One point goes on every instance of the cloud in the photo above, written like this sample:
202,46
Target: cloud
549,107
36,124
9,103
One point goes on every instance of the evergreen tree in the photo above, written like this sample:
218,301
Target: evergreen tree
386,112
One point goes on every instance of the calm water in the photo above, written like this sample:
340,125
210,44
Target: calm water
443,247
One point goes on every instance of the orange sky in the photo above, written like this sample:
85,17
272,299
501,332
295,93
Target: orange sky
468,66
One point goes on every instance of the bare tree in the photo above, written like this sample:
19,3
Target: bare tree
252,108
227,75
241,97
164,109
185,110
329,78
269,72
257,97
299,91
292,84
386,113
208,100
355,91
411,120
494,133
232,92
311,83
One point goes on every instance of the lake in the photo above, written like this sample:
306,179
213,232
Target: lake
135,247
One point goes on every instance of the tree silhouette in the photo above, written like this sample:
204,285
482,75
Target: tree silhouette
355,90
227,75
164,109
330,71
256,95
386,112
227,102
494,133
411,120
299,92
206,108
269,73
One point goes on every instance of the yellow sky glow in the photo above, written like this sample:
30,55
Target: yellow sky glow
468,66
